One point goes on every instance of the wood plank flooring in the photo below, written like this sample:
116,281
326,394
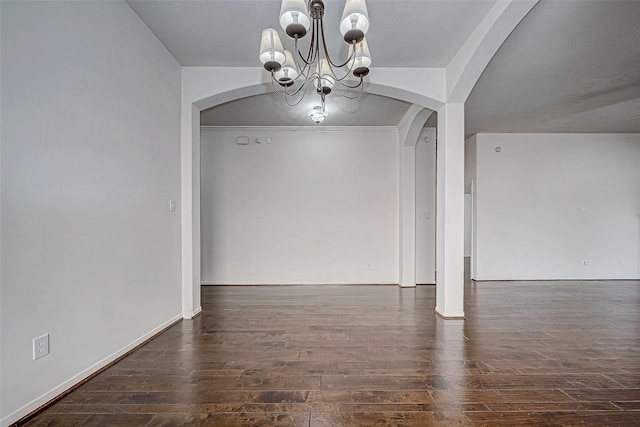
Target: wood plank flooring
527,354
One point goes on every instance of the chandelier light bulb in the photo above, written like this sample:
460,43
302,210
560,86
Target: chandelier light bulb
326,78
294,18
288,72
355,21
361,58
271,52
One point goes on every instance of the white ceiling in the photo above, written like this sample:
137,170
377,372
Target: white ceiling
226,33
570,66
403,33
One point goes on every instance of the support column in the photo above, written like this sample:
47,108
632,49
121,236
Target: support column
408,215
450,212
190,174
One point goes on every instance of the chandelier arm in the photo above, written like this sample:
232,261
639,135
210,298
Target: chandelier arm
302,76
285,93
326,52
283,89
309,60
306,71
316,41
341,78
334,67
305,68
312,56
344,84
310,75
306,89
324,44
349,59
299,53
361,85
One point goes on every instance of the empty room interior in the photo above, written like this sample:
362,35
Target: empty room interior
308,213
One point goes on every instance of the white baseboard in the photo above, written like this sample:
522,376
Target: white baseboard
564,279
407,285
68,384
195,312
215,283
451,315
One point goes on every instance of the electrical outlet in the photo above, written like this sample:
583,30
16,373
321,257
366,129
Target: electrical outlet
585,262
172,205
40,346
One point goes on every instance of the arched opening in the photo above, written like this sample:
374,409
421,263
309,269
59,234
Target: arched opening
191,169
213,100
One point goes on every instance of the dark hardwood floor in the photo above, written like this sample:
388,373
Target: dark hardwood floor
527,354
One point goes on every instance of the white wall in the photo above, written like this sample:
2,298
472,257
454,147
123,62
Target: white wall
426,207
547,202
317,205
470,202
470,159
90,160
467,224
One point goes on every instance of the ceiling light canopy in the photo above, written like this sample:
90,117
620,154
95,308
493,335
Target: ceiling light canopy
293,74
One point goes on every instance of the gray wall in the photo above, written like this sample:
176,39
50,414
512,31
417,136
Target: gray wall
90,160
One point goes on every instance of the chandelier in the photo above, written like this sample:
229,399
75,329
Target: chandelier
292,75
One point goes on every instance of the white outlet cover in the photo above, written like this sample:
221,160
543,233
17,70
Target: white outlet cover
40,346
